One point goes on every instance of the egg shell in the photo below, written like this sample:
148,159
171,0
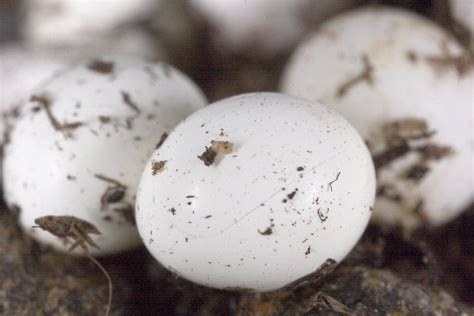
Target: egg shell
463,12
20,72
263,27
80,21
380,66
115,109
24,67
293,188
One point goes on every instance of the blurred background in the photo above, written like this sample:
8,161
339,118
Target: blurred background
228,47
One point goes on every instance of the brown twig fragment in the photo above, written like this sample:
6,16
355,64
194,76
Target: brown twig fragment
45,103
390,154
109,180
461,63
129,102
365,75
163,137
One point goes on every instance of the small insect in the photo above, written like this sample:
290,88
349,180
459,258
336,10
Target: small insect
77,229
69,227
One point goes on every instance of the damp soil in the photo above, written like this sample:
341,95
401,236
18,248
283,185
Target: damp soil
388,271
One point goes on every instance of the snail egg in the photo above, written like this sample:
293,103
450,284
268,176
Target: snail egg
255,192
77,21
80,143
407,86
264,27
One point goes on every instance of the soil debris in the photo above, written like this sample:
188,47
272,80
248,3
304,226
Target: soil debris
434,152
100,66
222,147
217,147
268,231
127,99
461,63
388,155
416,172
163,137
389,192
104,119
45,103
109,180
409,128
365,75
112,194
208,156
157,166
127,212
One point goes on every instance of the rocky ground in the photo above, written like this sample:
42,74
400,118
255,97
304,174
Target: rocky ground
429,273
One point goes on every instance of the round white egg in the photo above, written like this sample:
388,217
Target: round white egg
463,12
394,74
291,187
263,27
80,143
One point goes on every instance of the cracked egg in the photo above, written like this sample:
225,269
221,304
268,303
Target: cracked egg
407,86
257,191
79,145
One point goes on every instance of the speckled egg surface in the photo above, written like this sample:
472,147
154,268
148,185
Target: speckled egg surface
408,88
80,143
254,192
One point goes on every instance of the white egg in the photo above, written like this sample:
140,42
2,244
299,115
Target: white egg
264,27
254,192
463,12
80,143
23,67
407,86
80,21
22,70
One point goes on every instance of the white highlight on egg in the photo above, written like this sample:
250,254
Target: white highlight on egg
291,185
